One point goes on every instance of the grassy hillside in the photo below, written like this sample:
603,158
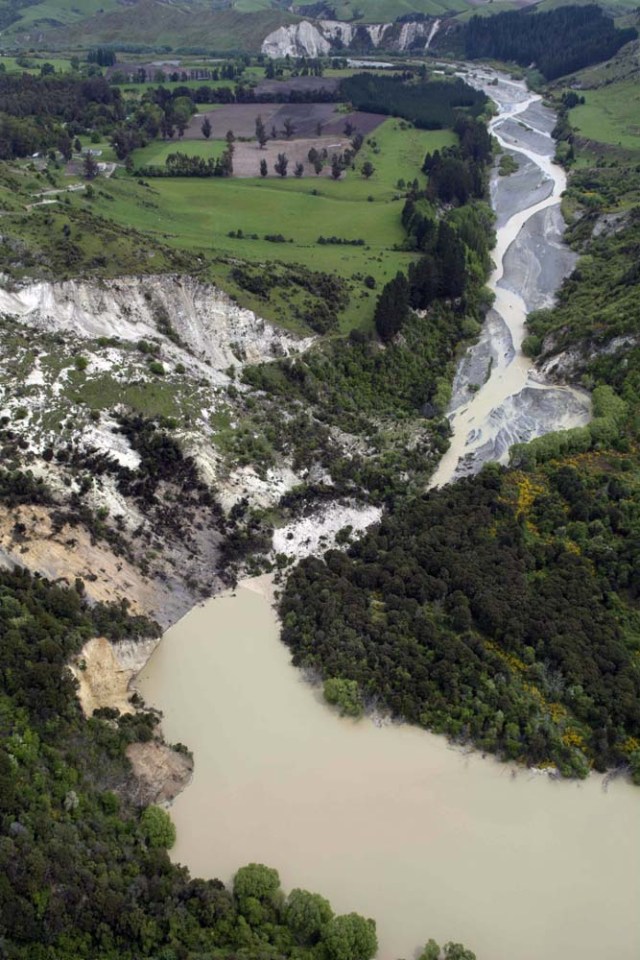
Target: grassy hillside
624,66
610,114
234,26
152,24
384,11
25,16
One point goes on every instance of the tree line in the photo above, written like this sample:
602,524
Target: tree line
428,104
454,243
38,113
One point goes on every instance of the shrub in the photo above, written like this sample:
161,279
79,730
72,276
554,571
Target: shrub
157,828
344,694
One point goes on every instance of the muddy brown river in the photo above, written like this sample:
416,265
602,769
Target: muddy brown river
389,821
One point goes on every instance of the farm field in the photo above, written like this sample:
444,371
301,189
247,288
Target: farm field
157,152
395,149
248,156
241,118
611,114
195,214
35,64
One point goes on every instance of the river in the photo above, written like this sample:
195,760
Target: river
388,820
498,399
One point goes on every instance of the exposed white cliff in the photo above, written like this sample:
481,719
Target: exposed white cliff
308,39
205,322
296,40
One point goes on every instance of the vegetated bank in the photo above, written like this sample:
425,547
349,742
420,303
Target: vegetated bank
85,871
504,610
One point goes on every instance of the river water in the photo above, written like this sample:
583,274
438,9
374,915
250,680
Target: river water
388,820
497,397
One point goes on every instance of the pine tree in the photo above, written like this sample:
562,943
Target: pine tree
392,307
281,164
261,132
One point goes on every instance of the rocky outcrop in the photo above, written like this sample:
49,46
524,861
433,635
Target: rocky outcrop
146,344
104,672
566,365
308,39
192,317
297,40
160,771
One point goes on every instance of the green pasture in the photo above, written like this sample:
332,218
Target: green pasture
58,11
402,150
197,215
193,214
35,63
157,152
610,114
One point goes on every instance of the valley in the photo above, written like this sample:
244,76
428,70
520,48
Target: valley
319,483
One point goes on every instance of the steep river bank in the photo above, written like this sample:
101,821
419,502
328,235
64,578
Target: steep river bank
388,820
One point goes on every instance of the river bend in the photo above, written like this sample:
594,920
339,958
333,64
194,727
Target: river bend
388,820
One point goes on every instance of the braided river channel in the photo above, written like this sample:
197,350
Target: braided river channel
385,819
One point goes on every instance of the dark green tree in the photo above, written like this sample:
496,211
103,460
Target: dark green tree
281,164
306,915
392,307
350,937
89,166
261,132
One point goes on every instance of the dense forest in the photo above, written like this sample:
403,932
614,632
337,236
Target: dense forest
84,872
429,104
40,113
557,42
498,610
